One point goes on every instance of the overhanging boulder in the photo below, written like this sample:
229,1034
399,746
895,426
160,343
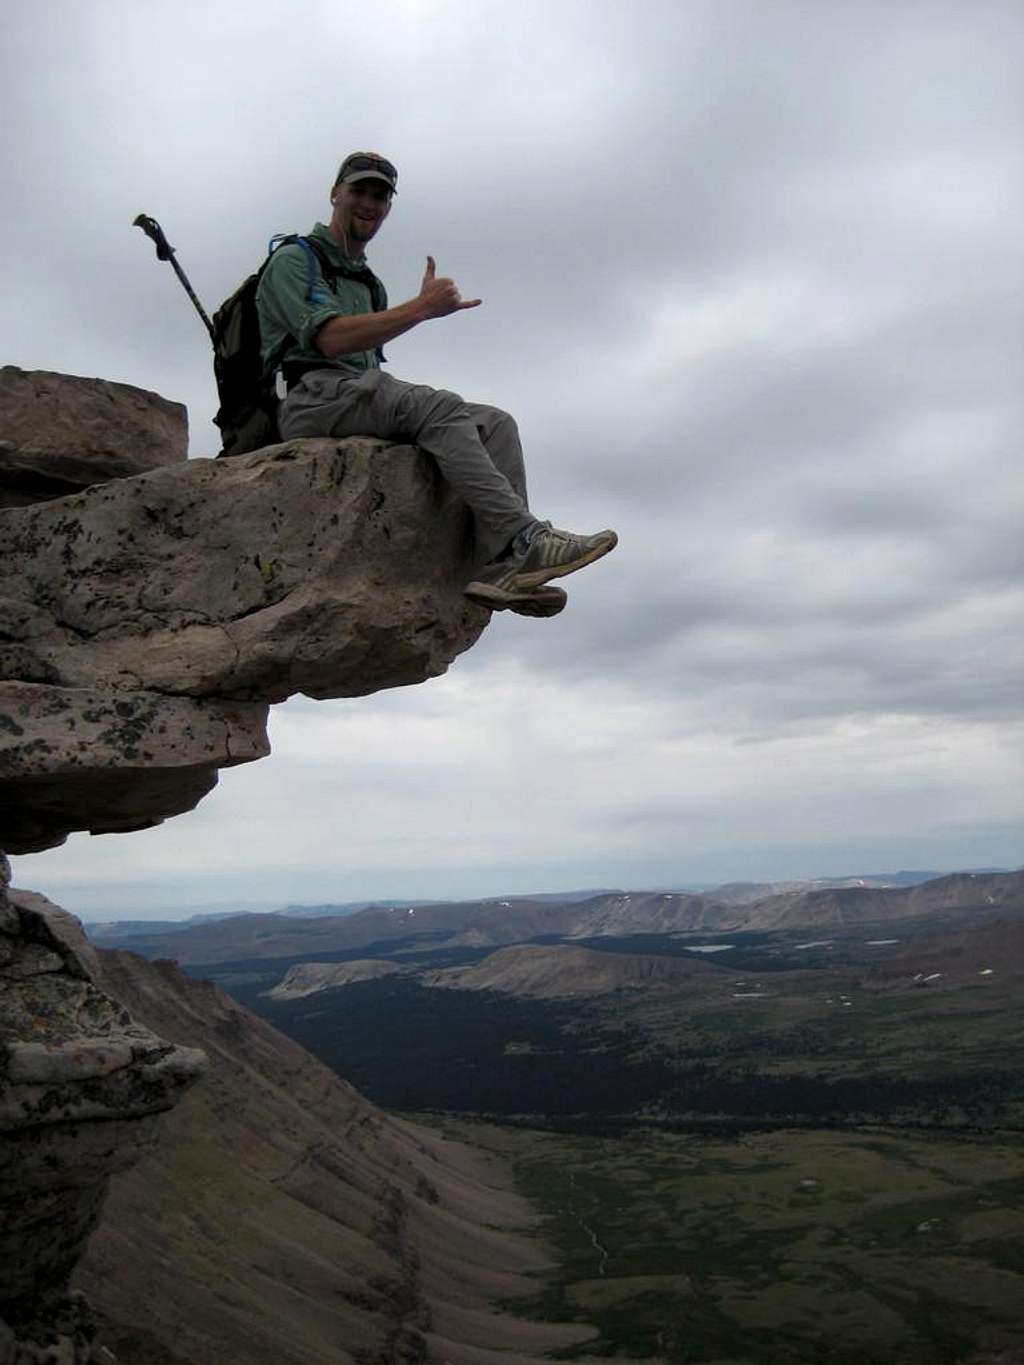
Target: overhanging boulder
331,568
146,623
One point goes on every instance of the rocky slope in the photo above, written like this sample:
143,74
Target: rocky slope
948,961
310,977
82,1084
559,971
541,971
283,1218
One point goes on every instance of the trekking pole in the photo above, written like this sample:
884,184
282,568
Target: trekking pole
165,252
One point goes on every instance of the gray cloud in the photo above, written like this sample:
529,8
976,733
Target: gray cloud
752,284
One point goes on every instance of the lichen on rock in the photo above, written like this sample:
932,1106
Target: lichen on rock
108,760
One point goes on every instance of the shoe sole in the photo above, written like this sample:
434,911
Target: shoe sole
522,603
533,578
540,607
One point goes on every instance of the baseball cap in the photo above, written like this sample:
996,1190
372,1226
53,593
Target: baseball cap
367,166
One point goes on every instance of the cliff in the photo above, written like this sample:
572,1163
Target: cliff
81,1088
151,609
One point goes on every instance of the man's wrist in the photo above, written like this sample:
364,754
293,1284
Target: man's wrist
414,310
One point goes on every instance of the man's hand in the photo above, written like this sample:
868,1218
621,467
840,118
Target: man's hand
439,297
346,334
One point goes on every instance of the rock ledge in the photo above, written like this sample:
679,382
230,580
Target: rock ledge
146,623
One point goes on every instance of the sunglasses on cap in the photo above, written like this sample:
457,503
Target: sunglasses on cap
367,164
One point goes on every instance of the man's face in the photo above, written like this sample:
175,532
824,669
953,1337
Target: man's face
359,210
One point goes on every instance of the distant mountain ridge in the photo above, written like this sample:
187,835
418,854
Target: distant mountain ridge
734,893
497,923
112,931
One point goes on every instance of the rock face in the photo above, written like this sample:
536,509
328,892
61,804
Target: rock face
81,1086
60,433
324,567
146,623
105,760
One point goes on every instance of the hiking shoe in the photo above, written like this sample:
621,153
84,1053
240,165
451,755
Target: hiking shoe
495,588
553,554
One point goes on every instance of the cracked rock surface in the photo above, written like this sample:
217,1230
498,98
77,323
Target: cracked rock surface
81,1088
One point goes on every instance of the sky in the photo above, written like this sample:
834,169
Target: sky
752,279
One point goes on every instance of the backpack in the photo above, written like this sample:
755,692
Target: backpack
247,416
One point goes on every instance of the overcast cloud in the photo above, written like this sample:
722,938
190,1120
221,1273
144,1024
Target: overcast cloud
752,284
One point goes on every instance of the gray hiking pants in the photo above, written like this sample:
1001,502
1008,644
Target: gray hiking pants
476,447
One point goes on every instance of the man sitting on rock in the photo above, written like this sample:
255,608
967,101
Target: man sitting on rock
327,342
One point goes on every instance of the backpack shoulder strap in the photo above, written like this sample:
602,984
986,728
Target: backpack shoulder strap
314,255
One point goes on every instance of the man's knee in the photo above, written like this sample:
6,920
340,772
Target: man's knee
422,405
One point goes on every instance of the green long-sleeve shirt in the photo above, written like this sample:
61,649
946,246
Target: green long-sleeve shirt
290,317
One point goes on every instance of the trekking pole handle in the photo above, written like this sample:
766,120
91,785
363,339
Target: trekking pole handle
165,252
153,230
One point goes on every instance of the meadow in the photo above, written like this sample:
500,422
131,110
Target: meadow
873,1247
